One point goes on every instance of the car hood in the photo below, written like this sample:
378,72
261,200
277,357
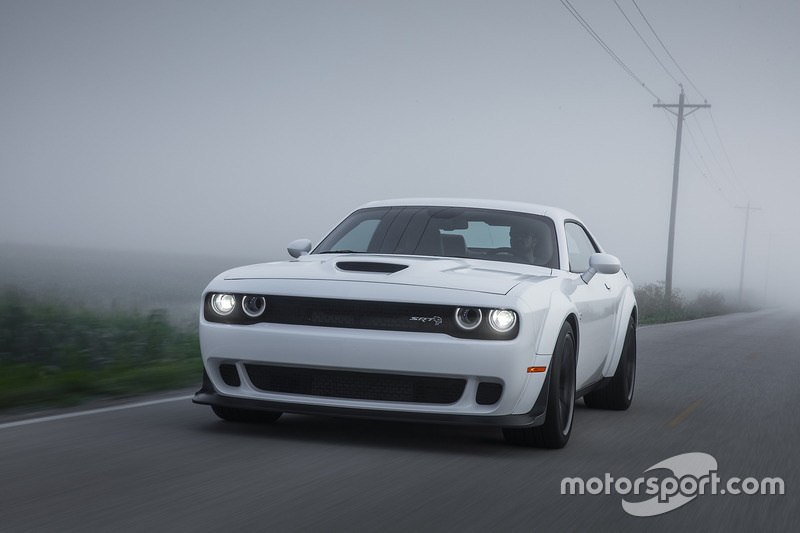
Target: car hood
490,277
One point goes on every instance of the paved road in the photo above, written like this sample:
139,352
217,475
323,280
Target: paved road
726,387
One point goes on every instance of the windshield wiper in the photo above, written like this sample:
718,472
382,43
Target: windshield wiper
341,252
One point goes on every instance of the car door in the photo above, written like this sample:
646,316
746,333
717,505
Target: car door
597,302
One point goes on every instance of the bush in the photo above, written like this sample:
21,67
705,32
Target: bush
708,303
654,307
53,353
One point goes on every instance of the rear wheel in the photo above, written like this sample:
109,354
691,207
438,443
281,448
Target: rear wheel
232,414
557,427
617,394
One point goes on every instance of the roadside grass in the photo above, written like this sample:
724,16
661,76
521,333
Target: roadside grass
57,354
655,308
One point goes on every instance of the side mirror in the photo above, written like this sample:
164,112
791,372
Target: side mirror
299,247
602,263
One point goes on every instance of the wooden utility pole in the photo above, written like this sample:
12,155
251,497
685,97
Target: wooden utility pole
744,246
675,173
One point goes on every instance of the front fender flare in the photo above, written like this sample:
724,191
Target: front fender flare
559,311
627,308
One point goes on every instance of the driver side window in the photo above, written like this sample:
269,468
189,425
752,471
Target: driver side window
579,246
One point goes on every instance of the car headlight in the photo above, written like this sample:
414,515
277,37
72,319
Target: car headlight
502,320
468,318
254,306
223,304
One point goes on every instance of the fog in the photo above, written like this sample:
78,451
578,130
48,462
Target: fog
230,129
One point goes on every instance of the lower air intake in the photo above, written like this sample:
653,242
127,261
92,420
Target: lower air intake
356,385
488,393
229,374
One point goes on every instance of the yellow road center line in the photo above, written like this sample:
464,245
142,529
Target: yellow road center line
685,413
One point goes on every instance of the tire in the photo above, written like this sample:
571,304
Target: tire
557,427
232,414
617,394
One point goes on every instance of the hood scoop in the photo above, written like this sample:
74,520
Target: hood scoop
368,266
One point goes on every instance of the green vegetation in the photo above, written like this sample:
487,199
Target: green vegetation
53,353
654,307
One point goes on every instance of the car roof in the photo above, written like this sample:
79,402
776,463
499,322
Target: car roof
555,213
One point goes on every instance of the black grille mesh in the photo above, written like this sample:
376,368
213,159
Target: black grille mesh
355,314
356,385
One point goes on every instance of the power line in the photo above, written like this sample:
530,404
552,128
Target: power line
735,180
738,190
727,157
707,174
705,138
666,50
645,43
604,46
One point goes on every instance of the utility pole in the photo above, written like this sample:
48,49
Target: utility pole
675,173
744,246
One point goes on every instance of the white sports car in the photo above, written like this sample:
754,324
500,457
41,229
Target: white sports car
461,311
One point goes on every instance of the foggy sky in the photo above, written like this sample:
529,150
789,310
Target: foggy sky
232,128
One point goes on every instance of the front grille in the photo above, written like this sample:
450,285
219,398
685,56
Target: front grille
357,314
355,385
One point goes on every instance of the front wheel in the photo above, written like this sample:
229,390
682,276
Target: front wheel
557,427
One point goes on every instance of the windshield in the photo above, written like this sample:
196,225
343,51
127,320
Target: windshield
446,232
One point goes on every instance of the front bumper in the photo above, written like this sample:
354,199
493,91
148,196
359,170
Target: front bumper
208,395
269,364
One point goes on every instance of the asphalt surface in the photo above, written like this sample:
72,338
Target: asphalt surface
726,387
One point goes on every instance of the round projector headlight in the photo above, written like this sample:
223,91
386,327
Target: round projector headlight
223,304
502,320
468,318
253,306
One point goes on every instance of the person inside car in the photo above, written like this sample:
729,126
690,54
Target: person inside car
523,242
